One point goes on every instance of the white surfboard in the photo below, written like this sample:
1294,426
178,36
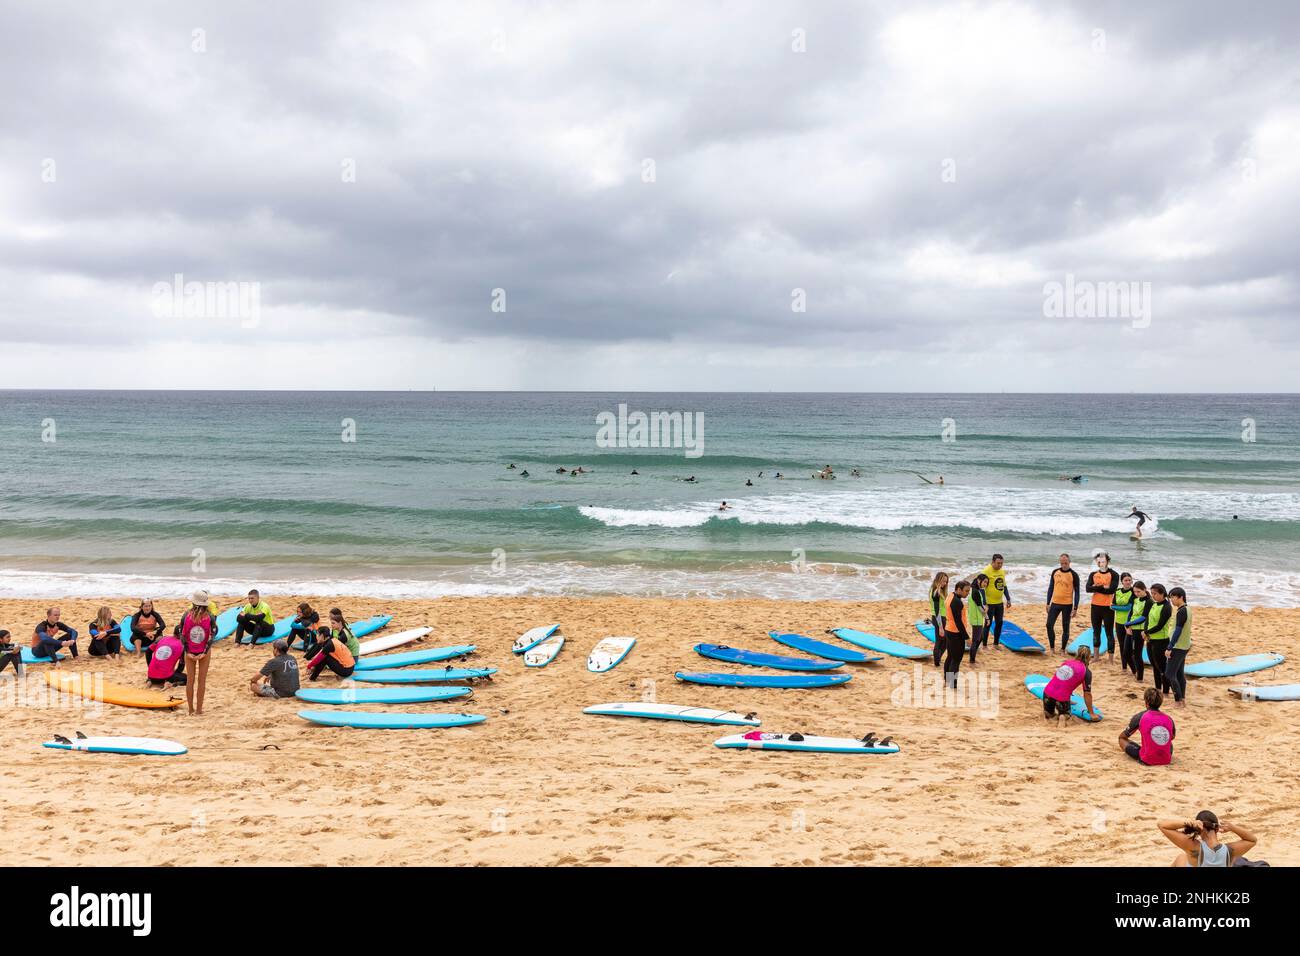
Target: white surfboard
155,746
609,653
531,638
812,744
388,641
543,653
694,715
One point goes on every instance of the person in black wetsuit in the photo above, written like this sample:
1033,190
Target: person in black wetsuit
956,632
1102,585
1142,517
1062,600
1159,623
1137,628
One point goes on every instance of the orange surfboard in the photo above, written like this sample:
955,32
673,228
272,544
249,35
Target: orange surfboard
85,685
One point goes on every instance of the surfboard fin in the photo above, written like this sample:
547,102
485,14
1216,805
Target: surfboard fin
59,738
751,715
869,740
885,743
80,735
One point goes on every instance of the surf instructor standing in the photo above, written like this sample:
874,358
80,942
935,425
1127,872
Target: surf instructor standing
996,597
1062,600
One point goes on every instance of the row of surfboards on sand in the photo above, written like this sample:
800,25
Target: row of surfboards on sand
409,683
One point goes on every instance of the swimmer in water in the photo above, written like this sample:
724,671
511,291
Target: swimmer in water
748,483
724,507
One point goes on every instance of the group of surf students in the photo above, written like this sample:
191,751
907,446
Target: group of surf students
1124,613
181,657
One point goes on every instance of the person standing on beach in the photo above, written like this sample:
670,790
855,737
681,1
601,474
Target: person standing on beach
938,603
957,632
1199,840
1102,585
977,607
1159,622
1156,730
1137,627
52,635
1122,605
1062,600
1180,642
255,620
198,628
997,595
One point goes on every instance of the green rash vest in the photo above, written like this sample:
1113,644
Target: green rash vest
1184,642
1167,610
1123,605
262,608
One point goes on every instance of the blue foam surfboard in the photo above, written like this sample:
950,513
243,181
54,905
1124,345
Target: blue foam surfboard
379,695
1232,666
30,658
422,675
765,680
1035,683
1013,638
408,658
830,652
388,719
720,652
874,642
359,628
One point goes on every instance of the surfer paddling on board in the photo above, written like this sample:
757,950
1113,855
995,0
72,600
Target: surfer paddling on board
1142,517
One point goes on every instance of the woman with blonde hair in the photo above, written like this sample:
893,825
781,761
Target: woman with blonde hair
105,635
938,606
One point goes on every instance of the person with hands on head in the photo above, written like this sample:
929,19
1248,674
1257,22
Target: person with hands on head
1062,600
1198,839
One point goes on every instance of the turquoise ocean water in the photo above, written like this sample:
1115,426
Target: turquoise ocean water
422,504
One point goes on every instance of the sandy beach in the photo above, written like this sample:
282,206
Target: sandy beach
541,784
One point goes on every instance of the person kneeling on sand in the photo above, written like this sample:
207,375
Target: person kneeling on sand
10,653
1199,840
167,662
1156,729
335,655
279,676
1059,690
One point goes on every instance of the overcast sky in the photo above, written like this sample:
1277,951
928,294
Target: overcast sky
651,185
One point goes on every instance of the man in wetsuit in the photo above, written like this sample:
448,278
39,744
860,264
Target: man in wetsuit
1062,600
996,596
1142,517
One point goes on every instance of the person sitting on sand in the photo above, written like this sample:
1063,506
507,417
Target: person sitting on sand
255,620
147,625
1199,840
278,677
105,635
1156,729
11,653
337,627
167,663
335,655
304,622
198,630
52,635
1070,675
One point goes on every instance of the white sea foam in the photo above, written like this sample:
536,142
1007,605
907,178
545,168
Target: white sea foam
818,581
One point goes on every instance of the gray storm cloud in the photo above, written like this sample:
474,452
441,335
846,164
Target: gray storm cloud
920,171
